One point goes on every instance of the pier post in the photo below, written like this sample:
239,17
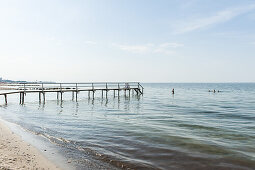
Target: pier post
114,93
129,93
76,94
5,96
39,97
89,94
93,91
43,97
61,95
72,95
23,98
106,91
19,98
57,95
102,93
118,90
24,87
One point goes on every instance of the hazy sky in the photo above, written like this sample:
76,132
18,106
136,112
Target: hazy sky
128,40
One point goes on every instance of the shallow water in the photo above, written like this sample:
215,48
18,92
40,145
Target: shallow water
192,129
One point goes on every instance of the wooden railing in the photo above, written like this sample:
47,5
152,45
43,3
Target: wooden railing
70,86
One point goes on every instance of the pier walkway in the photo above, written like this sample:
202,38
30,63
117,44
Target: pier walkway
59,88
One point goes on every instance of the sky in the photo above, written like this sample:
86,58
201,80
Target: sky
128,40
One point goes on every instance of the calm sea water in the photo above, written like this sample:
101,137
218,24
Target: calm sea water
192,129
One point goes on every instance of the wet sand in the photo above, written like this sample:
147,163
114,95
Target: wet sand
17,154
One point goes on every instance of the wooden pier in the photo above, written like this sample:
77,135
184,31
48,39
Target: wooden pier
59,88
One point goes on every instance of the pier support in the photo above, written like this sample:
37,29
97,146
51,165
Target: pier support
61,96
76,96
72,95
136,92
5,97
43,97
39,97
21,98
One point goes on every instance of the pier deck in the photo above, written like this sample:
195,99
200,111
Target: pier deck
74,88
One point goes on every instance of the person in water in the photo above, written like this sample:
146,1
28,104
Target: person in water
173,91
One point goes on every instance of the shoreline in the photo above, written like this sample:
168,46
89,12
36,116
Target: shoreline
18,154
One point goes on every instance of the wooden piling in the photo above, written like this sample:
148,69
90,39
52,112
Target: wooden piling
72,95
39,97
19,98
76,94
118,90
23,98
106,91
43,97
5,96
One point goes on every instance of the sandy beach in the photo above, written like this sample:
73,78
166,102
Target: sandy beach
17,154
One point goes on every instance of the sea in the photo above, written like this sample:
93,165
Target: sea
190,129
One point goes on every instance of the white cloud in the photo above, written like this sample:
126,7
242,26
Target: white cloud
219,17
164,48
133,48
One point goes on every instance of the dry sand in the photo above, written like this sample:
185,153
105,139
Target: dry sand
17,154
